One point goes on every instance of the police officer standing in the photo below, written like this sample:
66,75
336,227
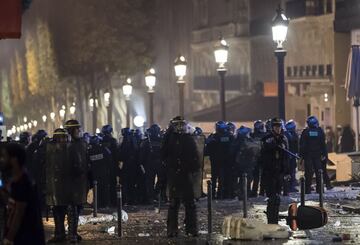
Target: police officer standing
110,143
182,162
275,168
293,140
313,151
59,209
257,135
79,161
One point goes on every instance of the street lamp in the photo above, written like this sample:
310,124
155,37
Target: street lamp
180,66
280,25
139,121
108,105
44,118
25,119
62,114
35,123
221,57
150,82
72,110
127,91
52,116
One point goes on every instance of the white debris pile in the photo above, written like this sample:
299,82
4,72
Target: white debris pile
102,218
238,228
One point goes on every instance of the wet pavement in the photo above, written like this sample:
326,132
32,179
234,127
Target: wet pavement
146,226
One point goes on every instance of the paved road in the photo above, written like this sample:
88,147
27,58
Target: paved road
145,226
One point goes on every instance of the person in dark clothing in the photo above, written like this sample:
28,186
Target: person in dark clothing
110,143
24,224
257,135
275,168
101,169
347,140
150,158
245,159
219,149
293,140
330,139
181,159
313,151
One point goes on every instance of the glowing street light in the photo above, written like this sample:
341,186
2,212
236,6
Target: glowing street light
44,118
62,113
52,116
25,119
35,123
25,127
150,82
72,110
221,57
139,121
29,125
127,91
280,25
180,65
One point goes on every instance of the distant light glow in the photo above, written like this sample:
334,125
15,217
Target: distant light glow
44,118
139,121
97,131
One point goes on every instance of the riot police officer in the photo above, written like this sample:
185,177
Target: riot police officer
219,149
293,140
257,135
60,136
79,161
101,169
313,151
245,158
182,161
25,138
275,168
150,159
110,143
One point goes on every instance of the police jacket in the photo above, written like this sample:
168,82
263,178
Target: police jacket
220,148
274,159
312,143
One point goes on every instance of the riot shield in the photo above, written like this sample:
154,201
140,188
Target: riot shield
79,171
197,177
66,173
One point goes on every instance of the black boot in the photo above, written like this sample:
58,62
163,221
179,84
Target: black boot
272,210
172,220
191,227
59,218
73,220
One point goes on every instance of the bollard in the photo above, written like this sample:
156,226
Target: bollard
119,206
95,197
245,195
321,192
302,189
209,200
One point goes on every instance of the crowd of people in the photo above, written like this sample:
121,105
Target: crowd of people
157,166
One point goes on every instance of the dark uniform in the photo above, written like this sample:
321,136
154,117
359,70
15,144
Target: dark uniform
111,144
275,167
245,159
219,149
150,159
79,161
293,140
101,169
257,135
313,151
183,166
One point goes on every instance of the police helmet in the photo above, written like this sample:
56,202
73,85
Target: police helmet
276,122
24,137
95,140
198,131
231,127
312,122
221,127
69,124
60,134
178,125
259,126
290,125
154,130
107,129
125,132
243,131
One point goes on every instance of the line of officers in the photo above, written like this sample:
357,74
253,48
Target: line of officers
169,164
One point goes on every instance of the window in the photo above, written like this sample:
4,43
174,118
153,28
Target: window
314,70
302,71
288,71
329,70
321,70
295,71
308,70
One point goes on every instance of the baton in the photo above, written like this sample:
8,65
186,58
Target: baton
290,153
